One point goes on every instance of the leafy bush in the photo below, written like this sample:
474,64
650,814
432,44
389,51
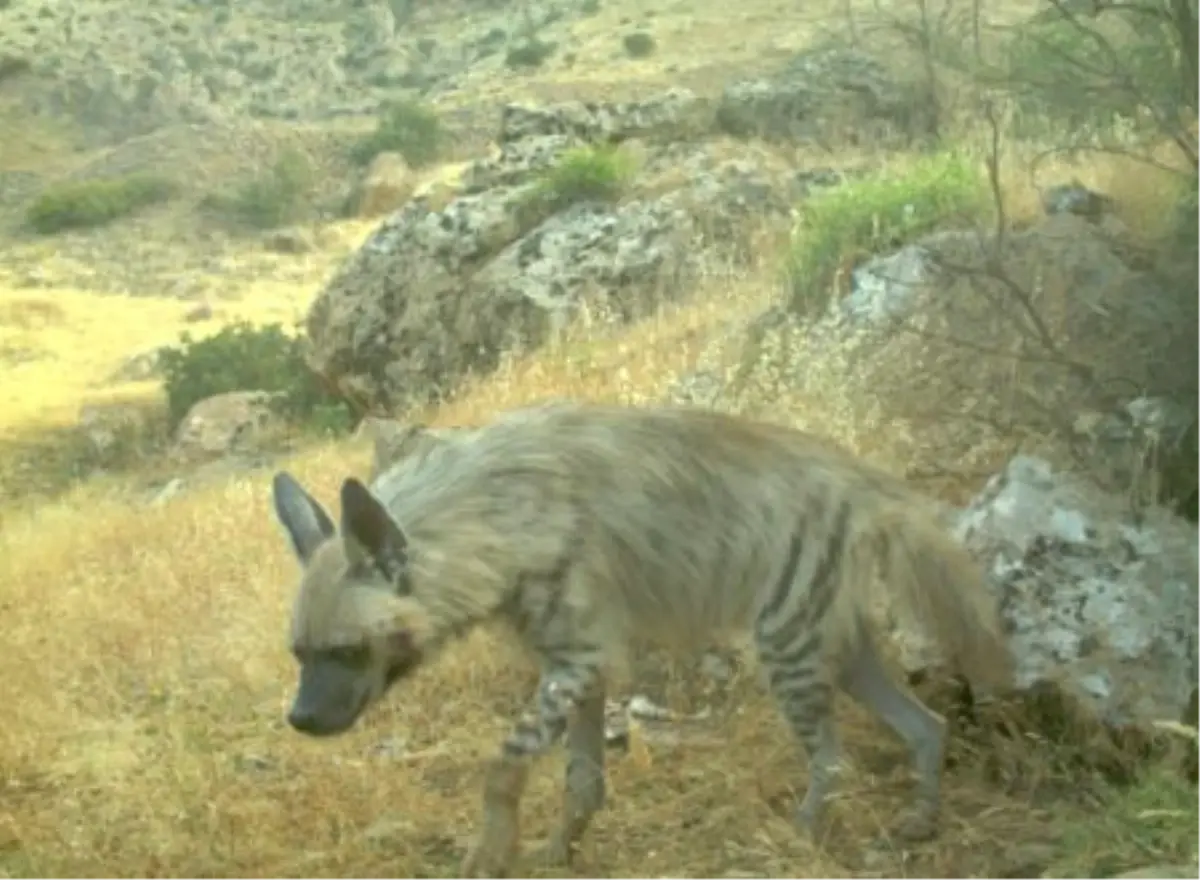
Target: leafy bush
87,203
244,357
883,211
1072,74
529,54
639,44
405,127
269,200
588,174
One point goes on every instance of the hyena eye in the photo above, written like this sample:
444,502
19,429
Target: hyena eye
349,655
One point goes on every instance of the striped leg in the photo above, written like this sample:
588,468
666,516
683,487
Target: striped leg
798,681
787,633
583,794
564,685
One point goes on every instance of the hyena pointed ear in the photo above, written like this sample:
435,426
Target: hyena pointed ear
306,522
370,532
393,442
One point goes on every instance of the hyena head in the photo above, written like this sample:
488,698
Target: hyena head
356,629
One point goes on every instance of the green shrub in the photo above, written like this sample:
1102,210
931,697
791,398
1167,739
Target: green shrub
587,174
272,199
244,357
639,44
88,203
881,212
405,127
1068,75
529,54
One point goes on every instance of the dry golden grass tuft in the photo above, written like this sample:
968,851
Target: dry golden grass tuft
147,673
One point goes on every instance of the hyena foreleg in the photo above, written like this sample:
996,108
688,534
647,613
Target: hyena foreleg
566,685
583,793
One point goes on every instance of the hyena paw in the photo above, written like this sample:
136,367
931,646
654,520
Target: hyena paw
481,864
916,826
559,852
491,855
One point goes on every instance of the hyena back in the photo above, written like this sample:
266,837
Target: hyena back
588,527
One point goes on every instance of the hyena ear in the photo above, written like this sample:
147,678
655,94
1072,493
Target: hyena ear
394,442
306,522
370,533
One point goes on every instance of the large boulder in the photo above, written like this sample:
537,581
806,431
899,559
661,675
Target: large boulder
1096,601
434,296
1050,342
438,293
674,114
824,96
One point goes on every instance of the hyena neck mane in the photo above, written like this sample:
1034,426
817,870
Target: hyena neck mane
479,585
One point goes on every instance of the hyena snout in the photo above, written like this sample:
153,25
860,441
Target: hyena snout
329,699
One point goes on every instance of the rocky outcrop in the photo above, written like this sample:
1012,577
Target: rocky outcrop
824,96
440,292
1096,602
1054,340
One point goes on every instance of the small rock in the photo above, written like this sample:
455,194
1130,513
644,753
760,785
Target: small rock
387,185
289,241
139,367
167,492
1075,198
223,423
199,312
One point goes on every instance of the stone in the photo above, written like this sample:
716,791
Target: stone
823,96
435,295
387,185
1075,198
673,114
1095,602
224,423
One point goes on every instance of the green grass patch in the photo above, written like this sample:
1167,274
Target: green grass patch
530,54
405,127
274,198
875,214
245,357
586,174
639,44
89,203
1152,822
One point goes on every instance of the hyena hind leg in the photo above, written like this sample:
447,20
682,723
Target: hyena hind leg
798,680
865,679
584,788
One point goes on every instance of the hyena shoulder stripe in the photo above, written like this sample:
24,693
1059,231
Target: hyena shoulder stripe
589,528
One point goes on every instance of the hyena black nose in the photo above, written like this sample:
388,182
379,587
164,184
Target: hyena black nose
304,720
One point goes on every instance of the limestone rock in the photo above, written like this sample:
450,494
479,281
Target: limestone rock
224,423
440,291
823,95
674,114
1095,602
386,186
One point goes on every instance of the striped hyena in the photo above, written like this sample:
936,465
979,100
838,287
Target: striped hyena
587,527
